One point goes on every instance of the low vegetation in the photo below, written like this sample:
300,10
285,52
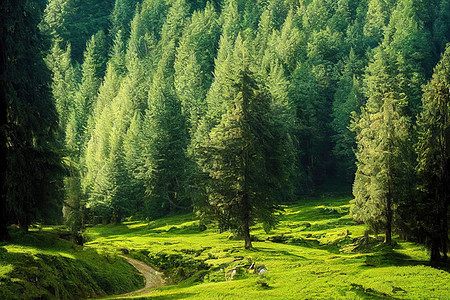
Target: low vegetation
40,265
317,252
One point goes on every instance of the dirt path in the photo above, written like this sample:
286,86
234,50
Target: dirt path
152,277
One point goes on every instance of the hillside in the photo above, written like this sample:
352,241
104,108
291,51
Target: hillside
316,252
41,265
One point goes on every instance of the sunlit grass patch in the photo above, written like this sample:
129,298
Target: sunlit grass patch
303,258
40,265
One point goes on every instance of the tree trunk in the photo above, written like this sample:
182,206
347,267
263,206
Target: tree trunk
246,222
4,236
247,238
444,230
435,253
3,120
388,238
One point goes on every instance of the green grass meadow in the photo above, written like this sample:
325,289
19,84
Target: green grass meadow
314,253
40,265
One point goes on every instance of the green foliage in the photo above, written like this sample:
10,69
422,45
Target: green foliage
163,141
382,136
167,96
63,82
31,171
433,156
194,64
241,169
347,99
176,267
76,21
121,16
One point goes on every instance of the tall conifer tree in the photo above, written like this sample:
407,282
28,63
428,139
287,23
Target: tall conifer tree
434,159
382,155
242,188
31,173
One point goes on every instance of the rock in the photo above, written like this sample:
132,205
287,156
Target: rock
263,271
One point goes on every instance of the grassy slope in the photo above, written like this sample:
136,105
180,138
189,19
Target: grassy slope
39,265
302,256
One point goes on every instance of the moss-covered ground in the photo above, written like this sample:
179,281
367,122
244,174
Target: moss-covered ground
316,252
41,265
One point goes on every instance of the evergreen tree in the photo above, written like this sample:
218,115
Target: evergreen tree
74,198
433,151
194,64
31,173
121,17
237,158
86,96
347,99
287,46
378,13
76,21
63,82
382,154
163,144
310,126
408,38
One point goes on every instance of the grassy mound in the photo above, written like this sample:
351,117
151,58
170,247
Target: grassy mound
314,253
40,265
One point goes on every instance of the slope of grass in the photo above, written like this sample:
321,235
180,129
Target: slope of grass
310,255
40,265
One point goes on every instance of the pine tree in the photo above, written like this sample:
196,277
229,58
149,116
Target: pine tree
76,21
347,99
408,38
194,64
121,16
86,95
63,82
31,173
378,13
382,135
287,46
433,151
237,158
310,126
163,146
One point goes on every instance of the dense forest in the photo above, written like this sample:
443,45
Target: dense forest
126,108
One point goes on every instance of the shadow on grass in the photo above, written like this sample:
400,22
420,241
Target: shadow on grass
387,256
275,253
368,293
48,240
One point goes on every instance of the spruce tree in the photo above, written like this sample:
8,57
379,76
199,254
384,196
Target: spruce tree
31,173
86,96
194,64
121,16
382,136
433,151
347,99
237,158
163,144
63,82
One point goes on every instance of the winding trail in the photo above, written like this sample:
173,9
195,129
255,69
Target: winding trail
152,277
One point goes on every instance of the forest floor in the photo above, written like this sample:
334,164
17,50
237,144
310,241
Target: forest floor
316,252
